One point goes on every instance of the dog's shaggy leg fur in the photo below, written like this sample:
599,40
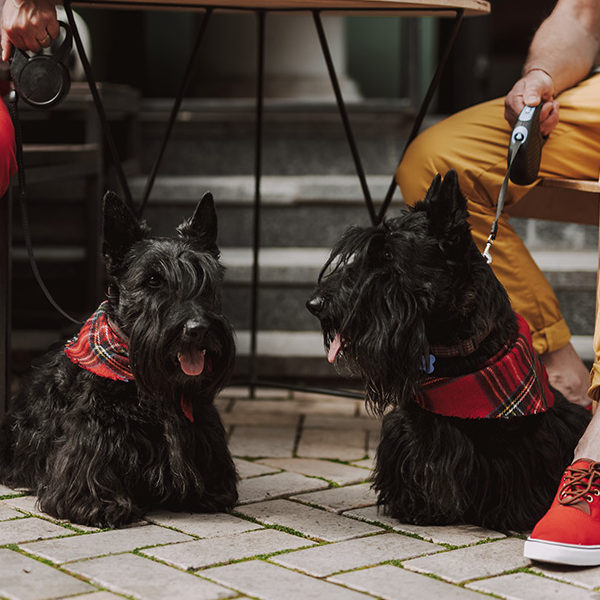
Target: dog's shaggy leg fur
440,470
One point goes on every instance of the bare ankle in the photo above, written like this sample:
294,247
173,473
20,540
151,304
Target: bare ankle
568,374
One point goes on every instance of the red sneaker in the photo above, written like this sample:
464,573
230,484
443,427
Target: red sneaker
569,533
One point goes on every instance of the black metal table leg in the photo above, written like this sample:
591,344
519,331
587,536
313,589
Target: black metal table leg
258,139
5,298
433,85
185,82
344,115
108,137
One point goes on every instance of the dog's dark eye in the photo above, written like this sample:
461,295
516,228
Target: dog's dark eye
387,255
154,281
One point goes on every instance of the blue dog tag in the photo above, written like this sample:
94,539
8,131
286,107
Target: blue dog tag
427,365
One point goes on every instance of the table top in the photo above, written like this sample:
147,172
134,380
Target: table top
439,7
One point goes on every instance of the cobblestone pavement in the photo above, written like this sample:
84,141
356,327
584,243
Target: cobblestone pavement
306,527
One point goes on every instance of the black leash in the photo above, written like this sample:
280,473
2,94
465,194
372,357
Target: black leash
22,197
500,205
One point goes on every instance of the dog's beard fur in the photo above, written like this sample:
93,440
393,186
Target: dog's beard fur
154,321
387,295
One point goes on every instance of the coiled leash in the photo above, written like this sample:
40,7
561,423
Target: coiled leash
524,156
42,81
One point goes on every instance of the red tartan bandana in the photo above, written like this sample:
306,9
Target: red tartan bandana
511,384
98,348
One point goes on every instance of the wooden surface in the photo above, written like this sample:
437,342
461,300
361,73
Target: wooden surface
444,7
564,200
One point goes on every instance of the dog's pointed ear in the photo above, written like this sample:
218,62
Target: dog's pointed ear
201,228
434,188
446,208
121,228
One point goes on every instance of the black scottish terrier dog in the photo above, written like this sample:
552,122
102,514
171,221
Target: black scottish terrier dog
122,419
471,431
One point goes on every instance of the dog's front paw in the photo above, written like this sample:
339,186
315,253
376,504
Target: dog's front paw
100,513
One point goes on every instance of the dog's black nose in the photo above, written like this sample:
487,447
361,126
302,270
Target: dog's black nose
194,329
315,305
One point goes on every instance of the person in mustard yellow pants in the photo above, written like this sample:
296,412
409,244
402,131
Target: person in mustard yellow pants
475,143
560,72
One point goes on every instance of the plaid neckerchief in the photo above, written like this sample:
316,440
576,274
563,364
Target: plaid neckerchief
512,383
98,348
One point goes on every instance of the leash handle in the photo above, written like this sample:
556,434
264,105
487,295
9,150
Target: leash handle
523,162
22,196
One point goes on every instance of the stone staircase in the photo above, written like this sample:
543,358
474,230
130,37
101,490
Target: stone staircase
310,194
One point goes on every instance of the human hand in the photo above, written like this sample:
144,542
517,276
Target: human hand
534,87
28,25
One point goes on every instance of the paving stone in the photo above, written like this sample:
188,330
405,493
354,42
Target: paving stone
339,422
310,521
363,411
260,419
8,512
262,441
29,529
332,443
222,405
201,553
246,468
99,596
373,443
455,535
473,562
524,586
234,392
28,504
146,579
365,463
342,498
394,583
332,471
6,491
297,407
202,525
261,393
585,577
106,542
352,554
256,489
268,582
328,399
23,578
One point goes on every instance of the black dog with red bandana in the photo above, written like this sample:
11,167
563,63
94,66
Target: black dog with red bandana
471,431
121,418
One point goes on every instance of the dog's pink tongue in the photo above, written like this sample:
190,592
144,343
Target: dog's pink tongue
192,363
334,348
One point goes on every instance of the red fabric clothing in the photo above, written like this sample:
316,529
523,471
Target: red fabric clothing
99,349
8,157
511,384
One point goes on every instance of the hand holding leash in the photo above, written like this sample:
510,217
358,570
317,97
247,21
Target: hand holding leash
524,157
525,148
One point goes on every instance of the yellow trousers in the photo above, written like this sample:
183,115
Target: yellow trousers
475,143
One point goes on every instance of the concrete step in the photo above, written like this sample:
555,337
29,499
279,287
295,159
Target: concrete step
299,137
291,205
288,276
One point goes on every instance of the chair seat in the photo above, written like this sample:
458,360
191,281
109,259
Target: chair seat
565,200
